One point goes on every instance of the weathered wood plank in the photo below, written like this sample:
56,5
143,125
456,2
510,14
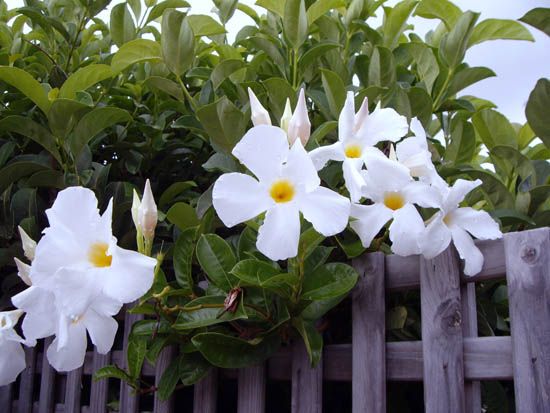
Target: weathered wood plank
369,336
251,389
47,381
100,389
472,389
307,382
73,388
26,383
528,274
442,342
6,397
165,358
129,400
205,394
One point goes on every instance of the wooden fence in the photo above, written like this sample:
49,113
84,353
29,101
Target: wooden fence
451,360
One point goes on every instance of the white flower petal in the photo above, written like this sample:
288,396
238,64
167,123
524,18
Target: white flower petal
8,319
420,134
346,120
23,271
478,223
369,220
12,361
436,237
353,179
299,168
263,149
457,193
385,174
361,115
383,125
472,256
299,125
147,213
259,115
321,155
406,230
28,244
279,235
327,210
238,197
75,290
40,318
421,194
102,330
71,355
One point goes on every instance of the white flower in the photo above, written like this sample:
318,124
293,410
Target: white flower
81,241
147,213
393,193
12,355
299,125
287,115
29,245
452,222
135,208
286,185
259,115
23,271
357,134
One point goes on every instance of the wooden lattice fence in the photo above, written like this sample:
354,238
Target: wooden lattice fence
450,360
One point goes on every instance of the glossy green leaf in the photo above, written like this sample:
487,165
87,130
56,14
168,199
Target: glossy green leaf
274,6
538,18
169,379
494,29
83,79
537,110
454,44
320,7
183,259
382,68
494,129
123,28
167,86
335,91
206,311
64,114
158,10
396,21
203,25
295,25
135,355
114,372
182,215
173,191
221,162
178,42
225,69
467,77
495,191
27,85
329,281
312,339
217,260
136,51
444,10
426,64
311,55
462,145
17,170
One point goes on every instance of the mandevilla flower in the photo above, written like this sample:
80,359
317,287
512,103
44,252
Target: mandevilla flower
393,192
286,185
29,245
299,126
147,213
357,134
452,222
12,355
260,115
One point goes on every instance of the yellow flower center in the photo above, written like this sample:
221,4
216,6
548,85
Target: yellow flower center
394,200
353,151
282,191
98,255
75,319
2,322
447,219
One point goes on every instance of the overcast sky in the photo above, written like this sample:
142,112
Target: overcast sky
518,65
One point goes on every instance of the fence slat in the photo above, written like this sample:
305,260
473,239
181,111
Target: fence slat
164,359
472,389
206,393
47,382
528,274
129,401
307,383
442,342
369,336
100,388
26,384
6,397
251,389
73,390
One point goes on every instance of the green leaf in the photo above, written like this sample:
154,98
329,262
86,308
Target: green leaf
166,85
178,42
206,311
462,145
183,259
443,10
173,191
538,18
514,159
537,110
335,91
426,64
192,368
83,79
221,162
494,129
224,69
396,21
17,170
203,25
114,372
320,7
525,136
136,51
27,85
396,318
254,272
217,260
382,68
226,9
94,122
274,6
312,339
329,281
169,379
493,29
278,91
319,308
495,191
183,216
137,348
158,10
454,44
295,27
122,25
32,130
231,352
468,76
312,54
309,240
64,114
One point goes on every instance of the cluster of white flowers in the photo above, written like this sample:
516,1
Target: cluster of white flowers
78,280
381,188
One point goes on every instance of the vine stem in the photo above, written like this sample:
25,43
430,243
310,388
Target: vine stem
439,96
187,94
73,45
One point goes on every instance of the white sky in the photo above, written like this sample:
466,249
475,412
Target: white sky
518,65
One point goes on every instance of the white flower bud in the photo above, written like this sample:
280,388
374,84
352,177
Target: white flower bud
147,213
299,125
361,115
24,271
135,208
392,155
287,115
259,115
29,245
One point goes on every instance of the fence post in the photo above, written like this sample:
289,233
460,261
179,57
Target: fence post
6,397
72,391
369,336
528,275
47,381
165,358
99,390
442,343
472,389
24,403
307,383
251,397
206,393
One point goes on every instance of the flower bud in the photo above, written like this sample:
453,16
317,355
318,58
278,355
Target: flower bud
392,155
299,125
147,213
135,208
29,245
361,115
287,114
259,116
23,271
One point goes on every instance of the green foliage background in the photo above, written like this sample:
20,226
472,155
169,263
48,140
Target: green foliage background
108,104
